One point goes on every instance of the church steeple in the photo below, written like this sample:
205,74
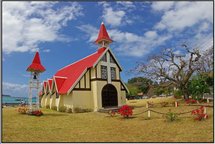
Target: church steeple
36,65
103,38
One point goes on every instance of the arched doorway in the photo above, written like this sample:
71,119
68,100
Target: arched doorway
109,96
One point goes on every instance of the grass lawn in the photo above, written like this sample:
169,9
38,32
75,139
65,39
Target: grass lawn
100,127
142,102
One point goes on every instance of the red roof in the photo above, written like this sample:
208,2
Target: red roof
44,85
59,82
68,76
103,35
36,65
50,84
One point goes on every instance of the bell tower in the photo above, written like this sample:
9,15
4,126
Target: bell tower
103,39
34,83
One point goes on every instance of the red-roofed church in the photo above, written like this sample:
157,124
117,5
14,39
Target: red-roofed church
91,83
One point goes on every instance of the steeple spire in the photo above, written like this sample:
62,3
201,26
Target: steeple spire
36,65
103,38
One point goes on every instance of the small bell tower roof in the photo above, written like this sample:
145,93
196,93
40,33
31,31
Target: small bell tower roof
103,35
36,65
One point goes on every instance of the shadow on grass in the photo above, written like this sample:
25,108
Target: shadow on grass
120,117
127,118
55,114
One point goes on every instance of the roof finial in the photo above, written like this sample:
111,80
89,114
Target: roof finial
102,23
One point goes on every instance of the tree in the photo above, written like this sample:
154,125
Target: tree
172,67
133,90
141,83
158,91
206,61
198,86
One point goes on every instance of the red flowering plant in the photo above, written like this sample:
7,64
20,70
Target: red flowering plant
36,113
125,111
191,101
199,113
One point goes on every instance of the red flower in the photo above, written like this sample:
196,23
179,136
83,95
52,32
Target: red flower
37,113
188,101
200,115
125,111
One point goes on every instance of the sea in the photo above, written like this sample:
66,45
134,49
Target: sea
6,99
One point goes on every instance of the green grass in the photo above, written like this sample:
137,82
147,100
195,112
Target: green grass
100,127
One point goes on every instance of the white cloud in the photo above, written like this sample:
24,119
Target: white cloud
112,17
13,89
183,15
162,6
27,24
126,43
176,16
91,31
183,19
126,5
116,15
151,34
46,50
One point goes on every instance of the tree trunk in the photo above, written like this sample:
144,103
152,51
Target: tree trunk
185,92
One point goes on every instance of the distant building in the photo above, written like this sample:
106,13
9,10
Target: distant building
93,82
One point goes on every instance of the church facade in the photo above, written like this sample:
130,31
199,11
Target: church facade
93,82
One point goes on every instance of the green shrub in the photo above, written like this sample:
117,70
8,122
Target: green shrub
54,108
62,109
178,94
170,116
47,106
82,110
69,110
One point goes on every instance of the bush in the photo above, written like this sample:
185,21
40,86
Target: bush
170,116
203,100
54,108
69,110
125,111
82,110
198,86
199,113
177,94
191,101
62,109
22,110
47,106
36,113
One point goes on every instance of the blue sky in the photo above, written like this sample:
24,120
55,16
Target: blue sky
64,32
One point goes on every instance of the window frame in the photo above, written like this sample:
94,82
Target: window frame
103,66
113,68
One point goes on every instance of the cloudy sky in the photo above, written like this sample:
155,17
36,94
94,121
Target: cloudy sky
64,32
